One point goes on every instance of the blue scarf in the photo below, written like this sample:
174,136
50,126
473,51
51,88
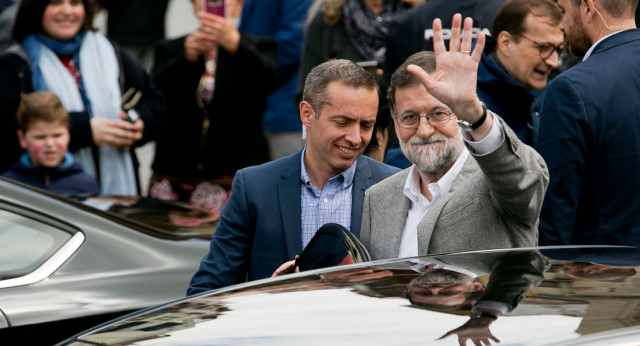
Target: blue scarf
25,160
32,45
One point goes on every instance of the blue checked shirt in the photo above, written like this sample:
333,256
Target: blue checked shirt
332,204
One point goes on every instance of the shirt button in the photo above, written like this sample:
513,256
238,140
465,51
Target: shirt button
325,200
344,185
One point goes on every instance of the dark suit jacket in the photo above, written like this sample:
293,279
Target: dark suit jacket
260,225
590,138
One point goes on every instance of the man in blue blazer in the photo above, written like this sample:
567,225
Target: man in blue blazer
275,208
590,129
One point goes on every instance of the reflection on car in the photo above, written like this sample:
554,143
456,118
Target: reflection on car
515,296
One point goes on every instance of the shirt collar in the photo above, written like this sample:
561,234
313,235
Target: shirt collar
588,54
437,189
346,175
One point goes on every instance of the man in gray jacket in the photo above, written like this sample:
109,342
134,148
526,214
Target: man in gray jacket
473,184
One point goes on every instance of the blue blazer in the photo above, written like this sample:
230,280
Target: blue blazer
260,225
590,138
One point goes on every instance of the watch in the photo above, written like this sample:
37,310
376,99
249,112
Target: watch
472,127
479,314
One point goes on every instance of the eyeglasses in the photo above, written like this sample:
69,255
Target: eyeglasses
547,49
411,120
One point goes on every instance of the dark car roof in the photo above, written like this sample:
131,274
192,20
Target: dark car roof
368,303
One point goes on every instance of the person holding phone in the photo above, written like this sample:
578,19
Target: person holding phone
215,81
58,51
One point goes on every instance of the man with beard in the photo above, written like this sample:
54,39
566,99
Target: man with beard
589,129
473,184
444,288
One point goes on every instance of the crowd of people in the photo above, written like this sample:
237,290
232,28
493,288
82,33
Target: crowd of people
279,115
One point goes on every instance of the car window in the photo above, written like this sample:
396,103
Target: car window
26,244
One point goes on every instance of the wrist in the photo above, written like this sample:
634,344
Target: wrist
232,44
479,120
483,314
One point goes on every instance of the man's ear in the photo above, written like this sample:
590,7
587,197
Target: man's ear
380,134
306,113
503,43
588,7
477,286
23,142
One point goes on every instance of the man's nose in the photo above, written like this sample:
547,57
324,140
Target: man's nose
424,129
553,60
354,135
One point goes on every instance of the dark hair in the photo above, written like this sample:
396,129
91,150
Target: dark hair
402,78
511,16
615,8
41,106
342,70
29,18
383,118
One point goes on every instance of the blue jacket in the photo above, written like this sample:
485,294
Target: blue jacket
508,98
68,178
260,226
283,20
590,138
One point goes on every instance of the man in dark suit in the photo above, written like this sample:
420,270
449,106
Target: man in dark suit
590,129
276,208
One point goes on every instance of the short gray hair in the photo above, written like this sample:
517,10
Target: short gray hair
342,70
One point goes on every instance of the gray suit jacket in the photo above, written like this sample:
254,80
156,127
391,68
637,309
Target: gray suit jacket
494,203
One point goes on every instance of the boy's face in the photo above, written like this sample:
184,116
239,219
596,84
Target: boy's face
46,143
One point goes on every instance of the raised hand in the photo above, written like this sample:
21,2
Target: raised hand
476,330
454,82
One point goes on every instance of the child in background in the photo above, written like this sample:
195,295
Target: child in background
43,131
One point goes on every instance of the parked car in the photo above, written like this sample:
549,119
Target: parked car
66,266
559,296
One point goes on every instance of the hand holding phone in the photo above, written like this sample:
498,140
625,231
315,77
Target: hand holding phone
214,7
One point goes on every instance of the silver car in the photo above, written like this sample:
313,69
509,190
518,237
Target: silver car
66,266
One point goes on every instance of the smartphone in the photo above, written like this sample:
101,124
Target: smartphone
132,116
214,7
